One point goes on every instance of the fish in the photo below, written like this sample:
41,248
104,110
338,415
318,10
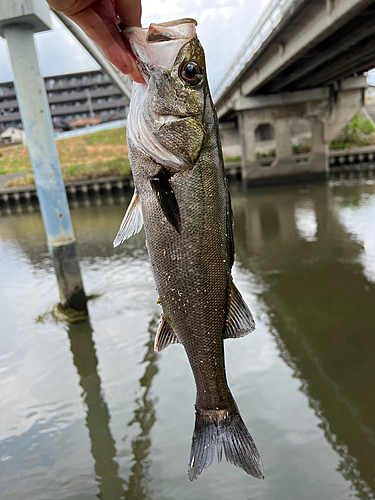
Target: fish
181,198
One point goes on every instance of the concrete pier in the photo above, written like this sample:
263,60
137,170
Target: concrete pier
270,119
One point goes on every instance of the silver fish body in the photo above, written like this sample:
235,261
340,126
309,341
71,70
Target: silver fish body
181,197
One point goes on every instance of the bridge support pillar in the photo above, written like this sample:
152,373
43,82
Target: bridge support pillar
246,126
256,168
346,105
318,144
267,156
319,147
283,138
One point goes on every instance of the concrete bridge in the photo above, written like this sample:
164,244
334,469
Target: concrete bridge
301,73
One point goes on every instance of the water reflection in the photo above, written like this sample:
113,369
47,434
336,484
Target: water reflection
95,226
145,416
321,308
306,221
103,448
269,221
322,311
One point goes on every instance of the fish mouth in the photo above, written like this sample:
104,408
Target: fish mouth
159,44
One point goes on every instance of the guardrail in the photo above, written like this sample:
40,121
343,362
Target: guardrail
270,19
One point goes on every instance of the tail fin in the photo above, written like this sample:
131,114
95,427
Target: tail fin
223,429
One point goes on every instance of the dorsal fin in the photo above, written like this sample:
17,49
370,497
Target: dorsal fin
240,321
132,222
166,198
165,335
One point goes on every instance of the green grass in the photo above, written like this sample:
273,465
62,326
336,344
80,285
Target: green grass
230,159
27,180
302,147
82,157
81,172
268,154
117,166
103,138
14,166
357,133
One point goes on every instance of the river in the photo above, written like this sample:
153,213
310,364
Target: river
90,411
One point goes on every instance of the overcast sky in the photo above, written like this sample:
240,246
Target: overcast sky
223,26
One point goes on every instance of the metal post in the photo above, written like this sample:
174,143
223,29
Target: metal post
37,122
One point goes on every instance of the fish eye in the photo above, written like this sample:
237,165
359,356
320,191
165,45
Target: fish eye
191,73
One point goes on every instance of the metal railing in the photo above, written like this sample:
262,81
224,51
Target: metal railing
269,20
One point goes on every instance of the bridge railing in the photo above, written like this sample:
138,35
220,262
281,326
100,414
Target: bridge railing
269,20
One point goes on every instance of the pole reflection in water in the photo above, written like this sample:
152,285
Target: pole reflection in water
103,449
144,415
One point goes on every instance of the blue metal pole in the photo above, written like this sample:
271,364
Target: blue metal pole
37,122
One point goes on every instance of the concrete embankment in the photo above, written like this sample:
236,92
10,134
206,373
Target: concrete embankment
358,162
76,189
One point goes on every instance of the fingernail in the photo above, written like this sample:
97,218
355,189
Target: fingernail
135,74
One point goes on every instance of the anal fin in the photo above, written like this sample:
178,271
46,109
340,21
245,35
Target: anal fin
240,321
165,335
132,222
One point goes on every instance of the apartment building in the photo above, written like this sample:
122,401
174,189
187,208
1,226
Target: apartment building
86,95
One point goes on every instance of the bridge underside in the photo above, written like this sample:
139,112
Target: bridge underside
349,50
316,44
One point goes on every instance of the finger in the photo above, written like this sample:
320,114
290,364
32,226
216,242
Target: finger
135,74
69,7
107,13
129,11
95,28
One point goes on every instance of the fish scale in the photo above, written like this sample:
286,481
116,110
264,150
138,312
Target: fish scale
181,197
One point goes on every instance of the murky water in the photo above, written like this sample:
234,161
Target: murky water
90,411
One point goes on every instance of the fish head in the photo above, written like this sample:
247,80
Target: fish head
167,112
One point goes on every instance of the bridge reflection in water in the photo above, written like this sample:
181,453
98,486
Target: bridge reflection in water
103,448
321,308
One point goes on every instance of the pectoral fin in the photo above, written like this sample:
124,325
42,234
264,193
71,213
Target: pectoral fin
132,222
164,336
166,198
240,321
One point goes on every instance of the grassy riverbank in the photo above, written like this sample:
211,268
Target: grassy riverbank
85,157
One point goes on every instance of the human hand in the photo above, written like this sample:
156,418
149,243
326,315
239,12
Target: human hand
98,19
